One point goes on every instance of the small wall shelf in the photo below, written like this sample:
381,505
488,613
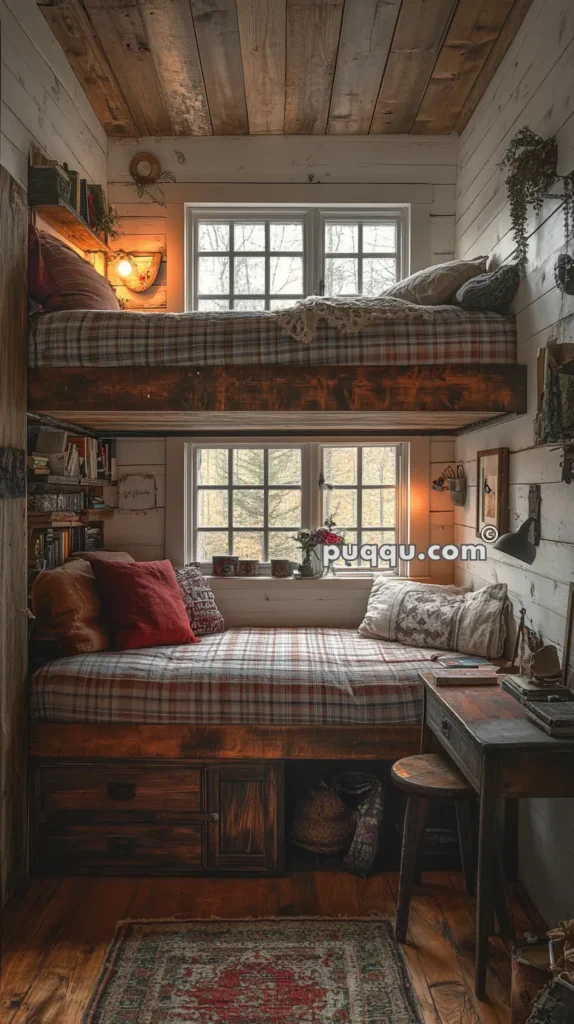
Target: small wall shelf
67,222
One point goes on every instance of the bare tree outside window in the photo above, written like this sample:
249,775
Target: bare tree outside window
268,261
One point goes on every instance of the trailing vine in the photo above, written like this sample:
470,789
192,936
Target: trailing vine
532,174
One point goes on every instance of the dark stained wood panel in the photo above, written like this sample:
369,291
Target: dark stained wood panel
237,67
244,742
13,555
469,40
313,30
419,34
366,36
262,31
173,46
264,388
121,32
513,22
217,33
75,34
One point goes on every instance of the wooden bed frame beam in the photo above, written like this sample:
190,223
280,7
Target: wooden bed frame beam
243,742
473,388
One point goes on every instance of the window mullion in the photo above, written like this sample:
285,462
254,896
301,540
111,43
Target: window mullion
231,265
267,266
359,496
230,501
266,504
360,259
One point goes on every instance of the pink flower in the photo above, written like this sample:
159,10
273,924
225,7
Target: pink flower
332,538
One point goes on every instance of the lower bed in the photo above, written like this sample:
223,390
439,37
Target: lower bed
286,677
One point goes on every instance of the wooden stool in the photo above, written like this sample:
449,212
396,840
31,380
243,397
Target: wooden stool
425,777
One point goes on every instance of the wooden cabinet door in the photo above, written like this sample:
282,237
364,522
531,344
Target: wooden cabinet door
247,831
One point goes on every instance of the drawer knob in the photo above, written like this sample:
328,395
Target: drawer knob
121,790
445,726
121,844
215,816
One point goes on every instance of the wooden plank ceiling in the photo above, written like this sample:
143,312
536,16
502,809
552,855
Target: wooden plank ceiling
264,67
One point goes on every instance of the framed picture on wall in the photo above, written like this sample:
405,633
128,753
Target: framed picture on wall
568,662
492,490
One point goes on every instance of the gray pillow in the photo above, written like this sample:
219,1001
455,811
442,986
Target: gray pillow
493,291
436,285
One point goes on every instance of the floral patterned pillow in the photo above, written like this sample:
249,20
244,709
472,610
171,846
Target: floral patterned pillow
203,614
427,615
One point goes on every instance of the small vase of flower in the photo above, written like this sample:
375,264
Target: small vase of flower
309,540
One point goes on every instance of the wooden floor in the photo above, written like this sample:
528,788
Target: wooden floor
55,934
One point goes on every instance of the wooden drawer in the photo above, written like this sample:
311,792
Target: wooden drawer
140,790
454,738
118,849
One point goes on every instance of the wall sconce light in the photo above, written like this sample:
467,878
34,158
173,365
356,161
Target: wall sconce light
124,268
137,271
522,544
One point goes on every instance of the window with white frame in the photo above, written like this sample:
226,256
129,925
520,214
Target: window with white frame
266,259
250,499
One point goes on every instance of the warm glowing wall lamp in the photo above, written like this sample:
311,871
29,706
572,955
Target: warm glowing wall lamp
124,268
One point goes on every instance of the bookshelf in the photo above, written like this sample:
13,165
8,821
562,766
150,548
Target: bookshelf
67,473
68,223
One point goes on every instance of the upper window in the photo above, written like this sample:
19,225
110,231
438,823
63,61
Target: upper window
255,259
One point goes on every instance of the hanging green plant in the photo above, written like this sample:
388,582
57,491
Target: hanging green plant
532,163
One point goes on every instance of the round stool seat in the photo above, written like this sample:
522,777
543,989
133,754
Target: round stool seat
430,775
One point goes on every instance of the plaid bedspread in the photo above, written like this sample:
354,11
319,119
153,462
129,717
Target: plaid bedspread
98,338
243,676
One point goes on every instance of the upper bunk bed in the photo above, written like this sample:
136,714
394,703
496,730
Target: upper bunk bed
386,363
446,368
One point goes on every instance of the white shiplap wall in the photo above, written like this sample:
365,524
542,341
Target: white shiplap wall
533,86
297,169
43,104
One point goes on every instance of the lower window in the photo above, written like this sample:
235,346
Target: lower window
250,500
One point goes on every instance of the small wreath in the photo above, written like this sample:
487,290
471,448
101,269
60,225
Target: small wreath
145,168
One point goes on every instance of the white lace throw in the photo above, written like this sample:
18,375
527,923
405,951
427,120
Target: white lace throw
346,315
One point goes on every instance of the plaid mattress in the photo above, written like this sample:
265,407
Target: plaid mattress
243,676
100,338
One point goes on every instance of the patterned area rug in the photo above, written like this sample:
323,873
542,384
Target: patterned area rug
285,971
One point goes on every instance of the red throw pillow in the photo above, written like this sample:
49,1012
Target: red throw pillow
59,279
143,604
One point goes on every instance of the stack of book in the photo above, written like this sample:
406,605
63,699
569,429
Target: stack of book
525,689
39,465
73,458
484,675
556,719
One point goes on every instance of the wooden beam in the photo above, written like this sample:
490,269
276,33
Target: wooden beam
421,28
173,46
76,36
313,30
122,35
513,22
262,30
366,37
248,742
264,388
469,40
217,33
13,555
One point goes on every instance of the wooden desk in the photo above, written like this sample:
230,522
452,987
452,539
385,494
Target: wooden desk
502,754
